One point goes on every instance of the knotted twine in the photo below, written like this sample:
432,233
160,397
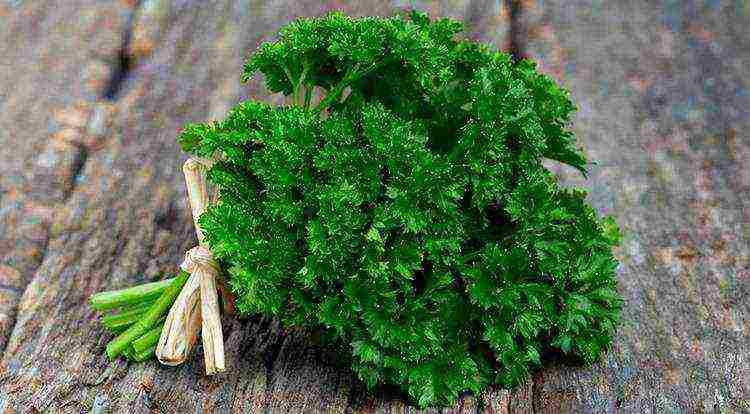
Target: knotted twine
197,304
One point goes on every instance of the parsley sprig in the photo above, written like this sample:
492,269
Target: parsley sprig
407,216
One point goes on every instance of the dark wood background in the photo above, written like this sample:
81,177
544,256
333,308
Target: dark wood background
93,94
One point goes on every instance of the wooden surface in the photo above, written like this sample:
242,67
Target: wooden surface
93,93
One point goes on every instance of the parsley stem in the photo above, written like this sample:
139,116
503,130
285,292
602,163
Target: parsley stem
332,95
126,317
308,96
300,83
145,354
130,296
119,344
352,75
148,339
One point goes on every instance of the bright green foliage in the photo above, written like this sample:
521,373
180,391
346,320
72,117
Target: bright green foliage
408,214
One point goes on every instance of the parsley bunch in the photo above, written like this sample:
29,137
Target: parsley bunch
407,214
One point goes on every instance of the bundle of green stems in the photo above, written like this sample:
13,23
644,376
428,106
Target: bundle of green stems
137,315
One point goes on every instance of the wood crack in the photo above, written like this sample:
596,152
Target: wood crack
124,63
76,169
269,360
516,33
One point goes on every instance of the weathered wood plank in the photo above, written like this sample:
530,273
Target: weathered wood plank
663,97
55,63
123,219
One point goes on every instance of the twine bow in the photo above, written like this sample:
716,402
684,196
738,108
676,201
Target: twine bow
197,304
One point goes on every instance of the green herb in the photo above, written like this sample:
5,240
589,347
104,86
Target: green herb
411,219
149,339
406,213
149,319
130,296
126,318
140,356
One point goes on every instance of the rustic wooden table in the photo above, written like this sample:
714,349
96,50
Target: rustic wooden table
93,94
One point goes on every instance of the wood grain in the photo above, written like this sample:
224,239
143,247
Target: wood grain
664,108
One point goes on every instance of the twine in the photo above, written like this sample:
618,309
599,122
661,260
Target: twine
200,256
197,305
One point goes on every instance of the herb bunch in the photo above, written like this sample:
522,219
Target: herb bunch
406,213
136,316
